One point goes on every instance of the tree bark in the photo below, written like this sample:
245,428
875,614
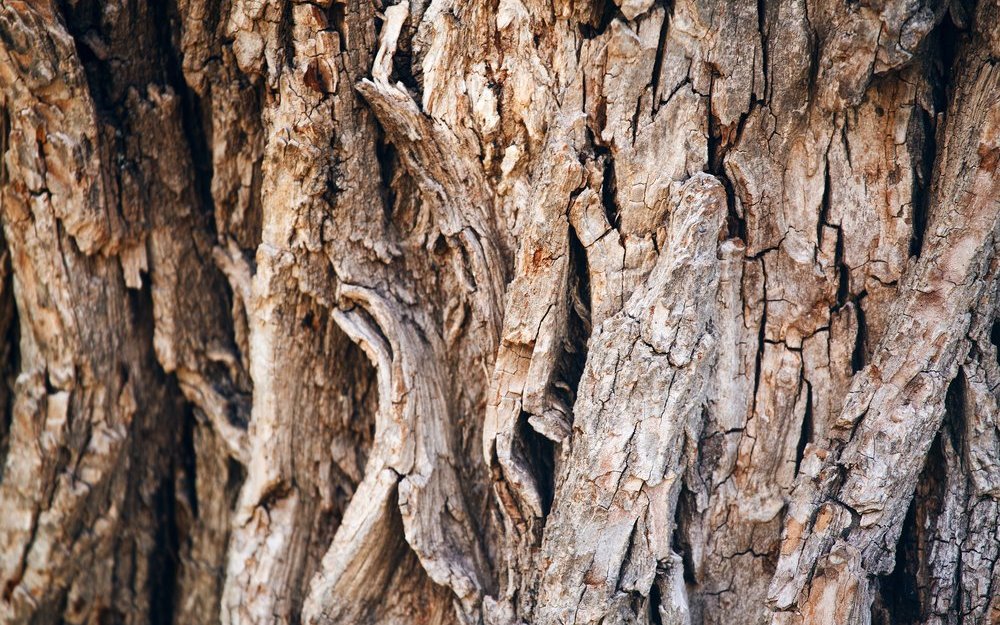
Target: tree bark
500,312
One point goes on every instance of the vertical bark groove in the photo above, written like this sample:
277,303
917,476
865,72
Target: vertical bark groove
499,312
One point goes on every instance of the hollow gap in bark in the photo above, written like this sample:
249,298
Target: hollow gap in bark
859,355
609,194
140,307
10,353
197,133
83,21
601,20
251,235
896,601
410,595
824,208
995,339
388,162
574,357
10,342
286,39
716,147
4,142
843,271
761,338
950,36
654,604
806,433
236,474
336,17
923,150
627,559
330,450
540,454
188,460
736,226
902,594
661,45
684,516
720,140
954,412
164,559
405,64
158,454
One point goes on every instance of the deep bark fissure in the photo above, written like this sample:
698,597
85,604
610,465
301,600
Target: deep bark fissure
10,353
661,43
995,338
736,225
955,401
165,17
904,595
187,462
337,17
654,605
859,355
9,330
4,141
843,271
924,138
806,432
608,11
686,510
579,325
950,40
412,313
388,166
164,562
824,221
609,191
540,453
162,452
762,30
83,19
898,600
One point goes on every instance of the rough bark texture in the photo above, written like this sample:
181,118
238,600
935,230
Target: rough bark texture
499,311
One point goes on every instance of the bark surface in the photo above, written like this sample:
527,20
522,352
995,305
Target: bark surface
499,312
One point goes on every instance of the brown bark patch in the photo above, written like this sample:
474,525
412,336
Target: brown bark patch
988,158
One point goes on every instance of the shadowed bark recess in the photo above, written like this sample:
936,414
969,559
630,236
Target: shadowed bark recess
499,312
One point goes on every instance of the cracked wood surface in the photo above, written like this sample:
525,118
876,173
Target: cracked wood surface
506,312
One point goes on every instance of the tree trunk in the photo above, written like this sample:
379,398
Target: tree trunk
500,312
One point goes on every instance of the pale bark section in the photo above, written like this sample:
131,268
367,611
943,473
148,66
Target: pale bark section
641,398
526,311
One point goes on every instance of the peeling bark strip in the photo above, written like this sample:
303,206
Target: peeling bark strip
508,312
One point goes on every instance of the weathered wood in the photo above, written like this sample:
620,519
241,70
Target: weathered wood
499,312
